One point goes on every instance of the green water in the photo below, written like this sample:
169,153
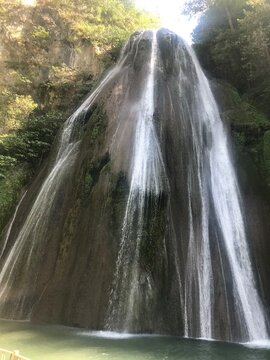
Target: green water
40,342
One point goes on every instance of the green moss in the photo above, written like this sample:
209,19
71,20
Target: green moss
98,124
87,185
91,126
154,226
68,232
90,177
153,232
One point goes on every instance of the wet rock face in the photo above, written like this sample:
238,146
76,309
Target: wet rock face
75,274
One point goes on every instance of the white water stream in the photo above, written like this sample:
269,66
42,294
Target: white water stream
226,199
147,177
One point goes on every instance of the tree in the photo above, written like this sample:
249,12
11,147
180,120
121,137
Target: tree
230,8
255,30
241,56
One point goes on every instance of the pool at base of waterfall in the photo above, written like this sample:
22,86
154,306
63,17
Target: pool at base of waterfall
40,342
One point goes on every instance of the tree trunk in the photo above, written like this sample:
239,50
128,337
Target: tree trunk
229,17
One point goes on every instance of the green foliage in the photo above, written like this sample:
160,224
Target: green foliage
18,111
6,162
250,131
10,188
20,153
255,42
40,33
38,47
242,113
192,7
14,110
31,143
104,23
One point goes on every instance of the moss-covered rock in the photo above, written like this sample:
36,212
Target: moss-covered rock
153,232
91,176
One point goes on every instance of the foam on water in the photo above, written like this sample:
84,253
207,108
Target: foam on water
258,344
114,335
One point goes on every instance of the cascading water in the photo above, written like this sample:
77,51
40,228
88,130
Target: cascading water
153,238
214,162
225,195
147,177
30,244
29,248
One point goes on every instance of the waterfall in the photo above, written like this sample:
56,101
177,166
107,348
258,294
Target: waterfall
147,174
159,244
210,167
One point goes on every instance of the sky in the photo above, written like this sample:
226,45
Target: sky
28,2
170,15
